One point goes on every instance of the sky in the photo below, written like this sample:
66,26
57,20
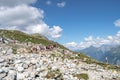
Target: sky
77,24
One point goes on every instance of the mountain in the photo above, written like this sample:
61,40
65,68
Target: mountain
96,52
39,36
113,56
23,37
111,52
19,61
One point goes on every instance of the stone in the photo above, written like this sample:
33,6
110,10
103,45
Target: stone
4,52
18,61
2,75
1,70
26,74
11,75
27,62
20,76
9,51
25,66
20,69
33,61
54,68
5,69
36,66
1,60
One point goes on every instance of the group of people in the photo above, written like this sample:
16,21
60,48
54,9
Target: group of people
34,47
43,48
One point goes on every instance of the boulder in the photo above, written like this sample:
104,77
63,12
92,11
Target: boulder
1,60
11,75
20,76
20,69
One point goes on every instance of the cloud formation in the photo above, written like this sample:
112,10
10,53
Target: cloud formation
117,23
19,15
61,4
48,2
11,3
95,41
55,32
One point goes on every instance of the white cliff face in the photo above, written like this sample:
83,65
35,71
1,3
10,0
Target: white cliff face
48,65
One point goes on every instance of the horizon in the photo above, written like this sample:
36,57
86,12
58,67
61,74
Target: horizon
75,24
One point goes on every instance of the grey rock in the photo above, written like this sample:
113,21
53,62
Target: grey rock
2,75
26,74
20,69
20,76
18,61
1,70
1,60
11,75
25,66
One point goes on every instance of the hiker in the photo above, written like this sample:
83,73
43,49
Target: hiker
54,45
14,41
27,43
63,51
51,47
47,47
40,47
31,50
35,48
3,40
106,60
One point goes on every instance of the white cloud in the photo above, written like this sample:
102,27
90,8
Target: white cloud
62,4
117,23
21,16
55,32
72,45
48,2
11,3
90,38
96,42
38,28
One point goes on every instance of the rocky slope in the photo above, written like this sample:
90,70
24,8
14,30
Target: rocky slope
49,65
25,57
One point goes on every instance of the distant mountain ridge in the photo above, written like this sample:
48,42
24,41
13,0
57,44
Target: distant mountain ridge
113,56
112,52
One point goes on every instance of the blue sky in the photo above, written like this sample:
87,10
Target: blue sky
75,23
82,18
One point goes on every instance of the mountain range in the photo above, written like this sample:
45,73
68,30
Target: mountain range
109,52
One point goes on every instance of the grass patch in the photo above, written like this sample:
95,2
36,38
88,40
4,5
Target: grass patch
81,76
14,50
23,37
54,74
108,66
89,60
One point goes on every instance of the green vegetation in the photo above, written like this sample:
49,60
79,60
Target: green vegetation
81,76
14,48
37,39
39,36
23,37
108,66
83,58
89,60
54,74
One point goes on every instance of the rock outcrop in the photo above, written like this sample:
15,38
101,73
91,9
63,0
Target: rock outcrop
49,65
